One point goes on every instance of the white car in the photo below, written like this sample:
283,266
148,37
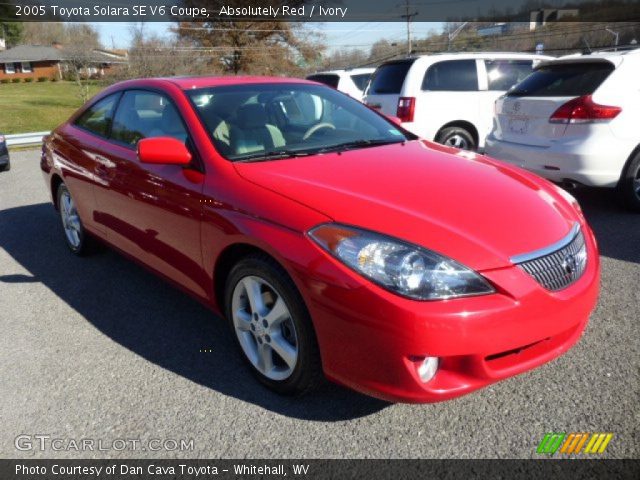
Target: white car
352,82
447,97
575,120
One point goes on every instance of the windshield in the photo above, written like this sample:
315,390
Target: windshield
389,78
563,80
269,121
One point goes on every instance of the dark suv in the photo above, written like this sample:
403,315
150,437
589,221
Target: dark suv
5,164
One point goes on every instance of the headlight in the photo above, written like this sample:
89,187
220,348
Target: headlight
400,267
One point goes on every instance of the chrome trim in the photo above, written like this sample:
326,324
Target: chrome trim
566,240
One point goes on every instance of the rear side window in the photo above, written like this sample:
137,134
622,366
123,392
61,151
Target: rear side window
563,80
329,80
389,78
361,80
97,119
503,74
452,76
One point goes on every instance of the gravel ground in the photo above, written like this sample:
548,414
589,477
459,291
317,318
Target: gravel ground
99,348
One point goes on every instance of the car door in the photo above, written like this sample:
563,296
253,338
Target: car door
78,152
154,211
449,93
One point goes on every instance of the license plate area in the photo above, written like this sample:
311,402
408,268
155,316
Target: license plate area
518,125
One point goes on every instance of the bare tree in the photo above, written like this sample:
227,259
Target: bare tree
44,33
153,56
253,47
81,58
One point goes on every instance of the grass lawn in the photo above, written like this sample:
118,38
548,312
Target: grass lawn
36,107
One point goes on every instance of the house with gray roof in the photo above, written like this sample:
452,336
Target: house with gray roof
34,61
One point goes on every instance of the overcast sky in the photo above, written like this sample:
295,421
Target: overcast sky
338,34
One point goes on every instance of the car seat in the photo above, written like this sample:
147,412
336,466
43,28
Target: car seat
251,132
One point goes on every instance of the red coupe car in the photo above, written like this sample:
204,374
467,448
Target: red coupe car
335,243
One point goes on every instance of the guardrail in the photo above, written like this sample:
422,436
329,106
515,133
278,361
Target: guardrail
24,139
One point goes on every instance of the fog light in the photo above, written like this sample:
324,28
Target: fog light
428,368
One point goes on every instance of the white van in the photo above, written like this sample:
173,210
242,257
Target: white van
352,81
448,98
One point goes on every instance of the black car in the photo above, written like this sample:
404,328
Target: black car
5,164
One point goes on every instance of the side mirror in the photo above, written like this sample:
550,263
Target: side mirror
163,151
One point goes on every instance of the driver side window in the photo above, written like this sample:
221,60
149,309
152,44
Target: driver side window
142,114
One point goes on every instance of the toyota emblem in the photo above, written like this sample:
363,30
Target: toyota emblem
569,265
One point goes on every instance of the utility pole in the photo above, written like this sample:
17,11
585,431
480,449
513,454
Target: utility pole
451,36
615,34
408,16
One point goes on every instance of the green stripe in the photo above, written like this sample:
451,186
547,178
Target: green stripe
543,442
550,443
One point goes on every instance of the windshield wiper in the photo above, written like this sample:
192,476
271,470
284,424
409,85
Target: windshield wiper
273,155
362,143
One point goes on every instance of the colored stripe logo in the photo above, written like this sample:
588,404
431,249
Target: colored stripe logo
574,443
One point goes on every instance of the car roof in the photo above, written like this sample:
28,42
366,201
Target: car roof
191,82
349,71
612,56
467,56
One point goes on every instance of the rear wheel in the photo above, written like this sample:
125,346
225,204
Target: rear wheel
629,186
457,137
74,233
272,326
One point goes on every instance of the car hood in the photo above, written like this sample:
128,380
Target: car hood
471,208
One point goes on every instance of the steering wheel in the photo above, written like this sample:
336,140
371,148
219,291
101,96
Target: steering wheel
316,128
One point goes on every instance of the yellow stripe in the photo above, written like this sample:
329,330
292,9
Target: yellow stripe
583,439
596,445
594,437
576,441
565,446
605,443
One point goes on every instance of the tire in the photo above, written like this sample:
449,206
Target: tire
629,185
83,244
457,137
292,332
6,167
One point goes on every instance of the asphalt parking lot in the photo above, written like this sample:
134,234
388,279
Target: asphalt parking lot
99,348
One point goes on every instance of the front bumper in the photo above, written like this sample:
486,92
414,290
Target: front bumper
373,341
591,163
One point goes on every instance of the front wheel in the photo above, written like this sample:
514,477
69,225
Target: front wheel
456,137
272,326
629,186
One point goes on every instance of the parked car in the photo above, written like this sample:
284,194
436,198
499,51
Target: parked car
5,162
353,81
575,120
447,98
330,243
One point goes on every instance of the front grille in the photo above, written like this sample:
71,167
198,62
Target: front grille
560,268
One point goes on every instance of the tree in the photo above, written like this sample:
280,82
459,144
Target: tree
80,56
11,32
45,33
153,56
252,47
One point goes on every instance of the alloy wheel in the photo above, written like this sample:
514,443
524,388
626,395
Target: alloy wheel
457,141
70,220
264,328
